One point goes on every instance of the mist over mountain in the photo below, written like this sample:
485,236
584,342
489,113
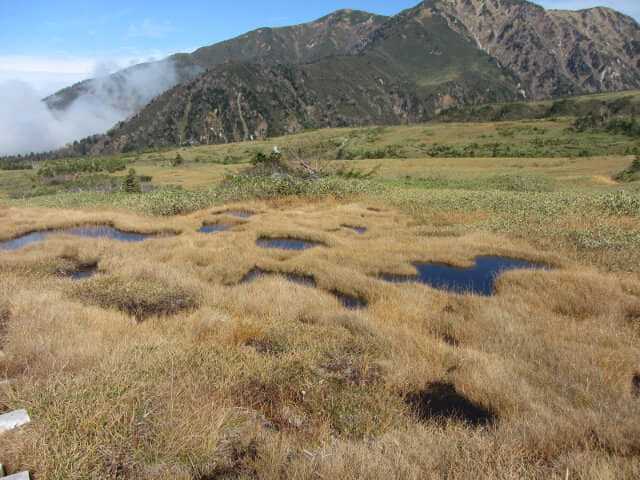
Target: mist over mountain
347,68
28,124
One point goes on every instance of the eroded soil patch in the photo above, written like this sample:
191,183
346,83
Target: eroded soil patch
268,399
141,298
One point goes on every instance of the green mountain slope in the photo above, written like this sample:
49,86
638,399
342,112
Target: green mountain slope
340,33
356,68
413,67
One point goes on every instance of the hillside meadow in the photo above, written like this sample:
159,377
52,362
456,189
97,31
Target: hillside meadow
172,358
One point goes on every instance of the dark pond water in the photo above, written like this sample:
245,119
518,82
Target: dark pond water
350,302
305,280
478,279
308,281
84,272
285,243
240,214
359,230
443,400
90,231
214,228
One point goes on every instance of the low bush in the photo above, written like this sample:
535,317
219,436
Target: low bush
131,183
631,173
71,166
15,165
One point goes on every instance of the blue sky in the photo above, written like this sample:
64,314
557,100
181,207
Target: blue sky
52,44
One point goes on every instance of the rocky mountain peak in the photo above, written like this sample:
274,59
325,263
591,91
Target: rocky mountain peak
554,52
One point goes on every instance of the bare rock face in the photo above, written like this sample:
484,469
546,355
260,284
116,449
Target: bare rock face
18,476
13,419
554,52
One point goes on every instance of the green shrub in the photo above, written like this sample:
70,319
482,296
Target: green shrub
131,183
169,202
631,173
15,165
274,158
71,166
178,160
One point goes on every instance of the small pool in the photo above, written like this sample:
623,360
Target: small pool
90,231
359,230
285,243
240,214
351,303
85,272
307,281
478,279
214,228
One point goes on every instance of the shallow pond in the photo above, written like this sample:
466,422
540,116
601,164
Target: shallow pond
214,228
307,281
90,231
478,279
350,302
85,272
240,214
285,243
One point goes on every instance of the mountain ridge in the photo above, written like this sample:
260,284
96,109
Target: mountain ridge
263,45
368,69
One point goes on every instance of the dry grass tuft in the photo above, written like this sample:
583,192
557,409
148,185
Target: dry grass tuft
278,404
345,367
235,457
273,378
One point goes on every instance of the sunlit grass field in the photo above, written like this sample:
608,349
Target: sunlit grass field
166,364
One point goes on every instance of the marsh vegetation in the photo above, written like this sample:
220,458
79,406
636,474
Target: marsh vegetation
194,356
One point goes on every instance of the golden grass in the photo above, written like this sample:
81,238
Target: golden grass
271,379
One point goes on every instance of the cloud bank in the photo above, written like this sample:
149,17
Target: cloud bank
28,125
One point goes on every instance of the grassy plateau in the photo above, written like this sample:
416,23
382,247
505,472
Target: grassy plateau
166,364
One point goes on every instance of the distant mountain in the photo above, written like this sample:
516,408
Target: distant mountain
408,69
553,52
339,33
356,68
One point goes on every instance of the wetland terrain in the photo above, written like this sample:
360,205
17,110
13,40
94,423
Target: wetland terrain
238,317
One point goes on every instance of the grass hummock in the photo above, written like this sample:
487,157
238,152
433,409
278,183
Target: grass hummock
166,364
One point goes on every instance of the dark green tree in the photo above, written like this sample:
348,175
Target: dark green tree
131,183
177,161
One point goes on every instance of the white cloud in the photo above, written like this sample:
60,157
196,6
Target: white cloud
27,125
27,63
149,29
49,74
45,74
